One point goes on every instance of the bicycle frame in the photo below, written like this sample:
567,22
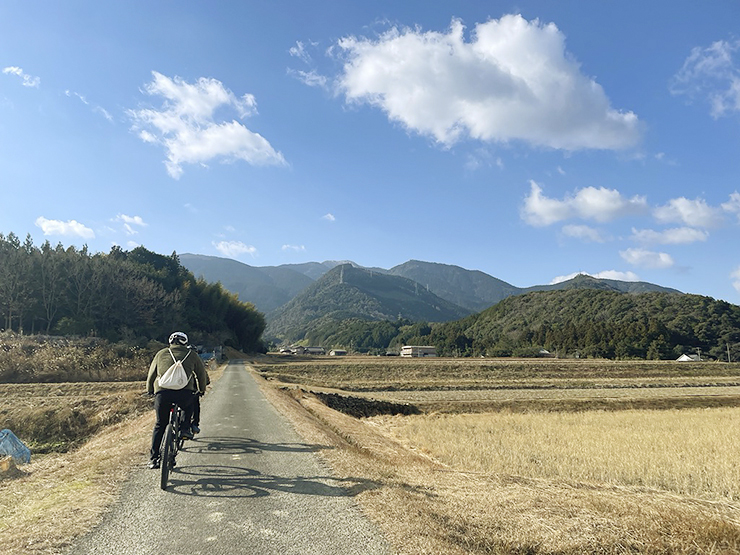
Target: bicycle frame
172,442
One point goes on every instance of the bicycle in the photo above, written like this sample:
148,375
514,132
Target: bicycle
172,442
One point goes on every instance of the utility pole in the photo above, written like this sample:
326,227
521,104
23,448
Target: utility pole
728,353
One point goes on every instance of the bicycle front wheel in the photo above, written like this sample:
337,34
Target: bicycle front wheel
167,455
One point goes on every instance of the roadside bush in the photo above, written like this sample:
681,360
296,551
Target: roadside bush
28,359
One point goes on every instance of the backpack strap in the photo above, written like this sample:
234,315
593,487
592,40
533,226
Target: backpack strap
173,356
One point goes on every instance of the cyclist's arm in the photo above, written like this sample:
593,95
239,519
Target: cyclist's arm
200,374
151,376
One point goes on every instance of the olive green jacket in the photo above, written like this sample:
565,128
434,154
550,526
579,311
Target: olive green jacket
193,366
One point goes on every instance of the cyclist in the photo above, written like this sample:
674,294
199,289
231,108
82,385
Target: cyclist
165,398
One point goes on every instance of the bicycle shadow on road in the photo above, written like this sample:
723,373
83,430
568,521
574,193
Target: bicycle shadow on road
245,446
234,482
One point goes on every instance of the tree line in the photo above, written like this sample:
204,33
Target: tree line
580,322
121,295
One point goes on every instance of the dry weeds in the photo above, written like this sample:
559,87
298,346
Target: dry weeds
61,496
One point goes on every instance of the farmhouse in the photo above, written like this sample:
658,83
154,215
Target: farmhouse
337,352
418,351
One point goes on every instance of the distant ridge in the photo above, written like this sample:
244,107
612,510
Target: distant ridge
270,288
266,288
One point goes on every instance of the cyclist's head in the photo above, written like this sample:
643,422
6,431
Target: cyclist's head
178,338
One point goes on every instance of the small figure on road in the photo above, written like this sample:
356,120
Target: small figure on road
164,398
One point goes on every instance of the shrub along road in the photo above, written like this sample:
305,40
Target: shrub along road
246,484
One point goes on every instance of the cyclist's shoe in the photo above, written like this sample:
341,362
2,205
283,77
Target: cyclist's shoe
195,429
153,463
187,434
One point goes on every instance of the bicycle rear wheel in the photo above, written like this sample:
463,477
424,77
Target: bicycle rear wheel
167,455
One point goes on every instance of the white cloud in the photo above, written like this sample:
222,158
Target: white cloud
299,51
584,233
513,80
647,259
589,203
186,127
232,249
328,217
28,80
711,74
129,222
296,248
136,220
733,205
71,228
311,78
606,274
674,236
689,212
735,275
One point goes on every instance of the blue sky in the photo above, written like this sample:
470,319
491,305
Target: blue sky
528,140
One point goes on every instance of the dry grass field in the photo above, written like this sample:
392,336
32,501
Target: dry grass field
545,474
535,457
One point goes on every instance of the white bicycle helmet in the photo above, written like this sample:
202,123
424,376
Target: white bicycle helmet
179,337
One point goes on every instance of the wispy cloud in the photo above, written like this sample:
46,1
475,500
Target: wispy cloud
735,276
733,205
711,74
71,228
674,236
512,81
590,203
234,249
186,126
311,78
26,80
129,222
295,248
695,212
647,259
96,109
328,217
584,233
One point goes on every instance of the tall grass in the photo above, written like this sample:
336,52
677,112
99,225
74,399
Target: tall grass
690,452
33,359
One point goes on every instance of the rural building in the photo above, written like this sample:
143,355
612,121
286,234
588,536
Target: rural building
689,358
314,351
337,352
418,351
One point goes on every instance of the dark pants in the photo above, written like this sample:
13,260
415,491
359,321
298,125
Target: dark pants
163,401
196,410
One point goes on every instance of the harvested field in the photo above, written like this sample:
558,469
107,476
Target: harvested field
56,417
478,385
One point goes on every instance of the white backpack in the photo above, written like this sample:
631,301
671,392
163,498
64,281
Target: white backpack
175,377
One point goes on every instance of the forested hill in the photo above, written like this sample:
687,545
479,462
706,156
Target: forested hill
135,295
347,292
596,323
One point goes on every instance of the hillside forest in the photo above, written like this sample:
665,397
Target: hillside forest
569,323
136,296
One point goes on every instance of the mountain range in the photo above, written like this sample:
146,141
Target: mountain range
299,296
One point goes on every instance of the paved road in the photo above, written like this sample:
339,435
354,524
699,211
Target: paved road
247,484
